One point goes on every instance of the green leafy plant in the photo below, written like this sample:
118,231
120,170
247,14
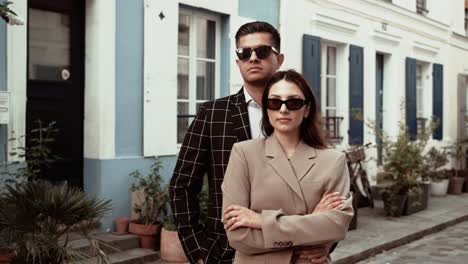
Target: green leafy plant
457,152
403,161
435,159
154,195
38,155
44,216
5,11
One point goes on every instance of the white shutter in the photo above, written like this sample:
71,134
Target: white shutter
160,78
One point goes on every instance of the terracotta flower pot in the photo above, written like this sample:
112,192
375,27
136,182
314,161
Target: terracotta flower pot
171,249
6,255
146,233
121,225
456,185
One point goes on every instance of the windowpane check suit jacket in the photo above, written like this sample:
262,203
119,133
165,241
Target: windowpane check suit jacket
206,150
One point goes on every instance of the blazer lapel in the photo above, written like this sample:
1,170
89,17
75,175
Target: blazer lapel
240,116
303,159
281,165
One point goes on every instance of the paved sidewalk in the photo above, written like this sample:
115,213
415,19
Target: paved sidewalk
449,246
376,232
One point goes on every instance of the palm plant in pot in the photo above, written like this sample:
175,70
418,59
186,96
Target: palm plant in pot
45,215
149,198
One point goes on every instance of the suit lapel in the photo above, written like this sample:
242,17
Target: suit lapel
281,165
240,116
303,159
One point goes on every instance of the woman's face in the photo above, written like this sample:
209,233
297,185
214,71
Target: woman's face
286,120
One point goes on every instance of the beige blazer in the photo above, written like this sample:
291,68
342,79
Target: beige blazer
259,176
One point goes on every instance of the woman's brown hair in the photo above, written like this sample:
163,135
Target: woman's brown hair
311,129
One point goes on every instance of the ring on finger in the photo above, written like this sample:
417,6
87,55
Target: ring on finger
233,218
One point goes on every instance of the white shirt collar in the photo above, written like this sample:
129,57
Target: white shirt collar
249,100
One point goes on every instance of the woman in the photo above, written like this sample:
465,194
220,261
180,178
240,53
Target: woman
276,190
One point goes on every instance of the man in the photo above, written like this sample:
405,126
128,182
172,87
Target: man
208,143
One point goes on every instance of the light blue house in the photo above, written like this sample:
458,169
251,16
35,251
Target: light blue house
121,78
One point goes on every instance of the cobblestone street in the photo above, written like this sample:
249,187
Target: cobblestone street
450,246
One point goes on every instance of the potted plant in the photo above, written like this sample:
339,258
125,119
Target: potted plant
44,214
434,160
149,198
171,249
457,151
403,163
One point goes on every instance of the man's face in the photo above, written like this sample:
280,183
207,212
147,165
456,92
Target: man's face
255,70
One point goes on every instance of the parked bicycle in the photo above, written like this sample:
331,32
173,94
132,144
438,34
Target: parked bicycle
360,185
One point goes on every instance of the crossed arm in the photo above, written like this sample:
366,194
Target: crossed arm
256,232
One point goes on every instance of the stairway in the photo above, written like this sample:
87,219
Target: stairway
129,251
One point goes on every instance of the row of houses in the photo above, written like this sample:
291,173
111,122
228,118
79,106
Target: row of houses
123,79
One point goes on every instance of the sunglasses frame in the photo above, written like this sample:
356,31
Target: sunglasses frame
240,50
285,102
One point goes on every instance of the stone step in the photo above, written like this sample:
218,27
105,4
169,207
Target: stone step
130,256
120,242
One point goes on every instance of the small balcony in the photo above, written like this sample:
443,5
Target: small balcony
421,7
332,124
421,124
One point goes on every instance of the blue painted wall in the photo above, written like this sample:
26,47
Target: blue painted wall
129,78
3,84
225,56
109,179
262,10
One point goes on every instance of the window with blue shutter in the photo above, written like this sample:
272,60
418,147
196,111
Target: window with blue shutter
410,98
438,99
311,63
356,95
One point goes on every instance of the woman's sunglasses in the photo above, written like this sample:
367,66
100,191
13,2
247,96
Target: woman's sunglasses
262,52
291,104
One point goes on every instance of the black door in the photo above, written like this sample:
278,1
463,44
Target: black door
56,81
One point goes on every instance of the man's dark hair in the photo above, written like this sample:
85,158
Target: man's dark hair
259,27
312,127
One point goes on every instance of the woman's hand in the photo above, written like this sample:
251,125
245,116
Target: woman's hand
331,201
236,216
313,254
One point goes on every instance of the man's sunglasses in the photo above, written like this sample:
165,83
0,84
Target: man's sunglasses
261,52
291,104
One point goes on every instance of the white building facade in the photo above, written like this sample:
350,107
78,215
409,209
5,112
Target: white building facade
147,65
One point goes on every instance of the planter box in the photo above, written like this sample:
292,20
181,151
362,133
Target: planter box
396,206
417,201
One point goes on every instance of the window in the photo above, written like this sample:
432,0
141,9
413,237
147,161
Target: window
197,65
420,117
329,61
421,7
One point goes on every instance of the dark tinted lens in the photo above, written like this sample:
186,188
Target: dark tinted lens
243,53
274,104
294,104
262,52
